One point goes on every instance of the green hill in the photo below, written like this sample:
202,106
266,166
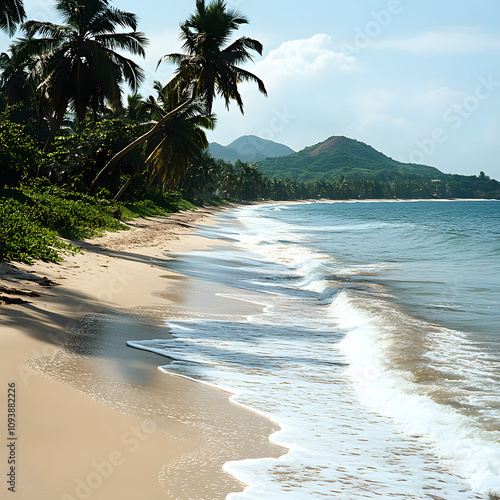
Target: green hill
339,157
249,148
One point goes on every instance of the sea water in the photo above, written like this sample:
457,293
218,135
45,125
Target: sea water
377,349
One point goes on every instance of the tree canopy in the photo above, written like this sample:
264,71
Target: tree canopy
80,64
12,14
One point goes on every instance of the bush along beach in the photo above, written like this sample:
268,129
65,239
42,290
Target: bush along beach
77,156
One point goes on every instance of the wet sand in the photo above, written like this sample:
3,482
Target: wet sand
95,418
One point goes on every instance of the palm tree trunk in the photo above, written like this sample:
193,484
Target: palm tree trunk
111,165
124,187
56,126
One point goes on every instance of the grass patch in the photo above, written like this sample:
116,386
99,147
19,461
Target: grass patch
34,218
22,238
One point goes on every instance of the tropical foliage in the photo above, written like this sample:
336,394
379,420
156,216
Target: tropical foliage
12,13
416,187
79,64
207,63
34,215
63,120
20,156
206,68
178,142
71,145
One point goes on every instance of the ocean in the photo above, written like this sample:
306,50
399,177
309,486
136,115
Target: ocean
377,350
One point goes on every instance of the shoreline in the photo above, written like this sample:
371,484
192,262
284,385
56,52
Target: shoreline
107,445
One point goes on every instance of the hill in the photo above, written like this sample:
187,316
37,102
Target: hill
340,156
249,148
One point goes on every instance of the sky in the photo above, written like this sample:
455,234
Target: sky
419,80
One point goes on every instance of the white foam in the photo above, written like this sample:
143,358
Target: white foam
335,446
457,439
286,364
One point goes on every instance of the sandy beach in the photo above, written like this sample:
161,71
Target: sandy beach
97,419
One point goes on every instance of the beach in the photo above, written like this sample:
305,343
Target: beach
375,347
104,422
301,351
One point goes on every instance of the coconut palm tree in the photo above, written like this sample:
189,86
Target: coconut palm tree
202,176
12,13
208,63
19,80
178,141
81,61
15,80
207,68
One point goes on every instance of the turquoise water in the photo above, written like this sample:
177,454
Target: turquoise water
378,349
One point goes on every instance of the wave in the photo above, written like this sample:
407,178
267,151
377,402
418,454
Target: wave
419,375
326,307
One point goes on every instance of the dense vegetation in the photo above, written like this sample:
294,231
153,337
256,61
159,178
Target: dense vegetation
77,158
339,157
414,187
342,168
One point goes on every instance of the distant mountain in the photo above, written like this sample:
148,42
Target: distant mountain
339,156
249,148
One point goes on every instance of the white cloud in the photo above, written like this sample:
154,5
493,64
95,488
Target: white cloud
442,96
304,59
449,40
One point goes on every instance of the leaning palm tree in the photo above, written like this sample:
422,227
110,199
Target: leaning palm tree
179,141
12,13
208,67
81,61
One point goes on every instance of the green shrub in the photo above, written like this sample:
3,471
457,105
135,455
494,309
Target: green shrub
34,216
22,238
20,156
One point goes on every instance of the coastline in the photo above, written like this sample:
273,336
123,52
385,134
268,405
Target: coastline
141,433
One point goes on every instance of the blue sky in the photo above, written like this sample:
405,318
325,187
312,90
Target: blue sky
418,80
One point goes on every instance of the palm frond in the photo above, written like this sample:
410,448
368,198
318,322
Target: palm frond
45,29
12,14
133,42
245,76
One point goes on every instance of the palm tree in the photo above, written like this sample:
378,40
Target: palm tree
18,85
15,79
202,176
206,63
207,68
12,13
135,111
81,63
178,141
